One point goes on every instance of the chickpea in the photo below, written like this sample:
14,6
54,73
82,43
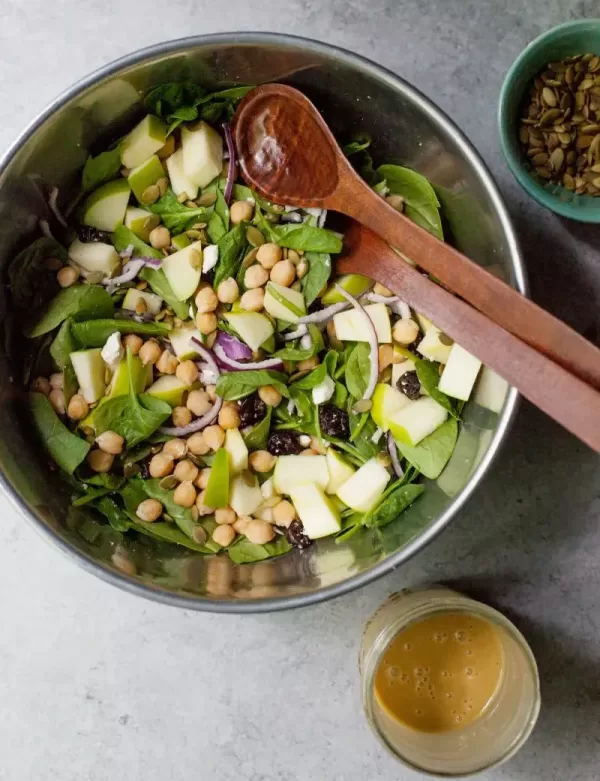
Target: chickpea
197,445
67,276
283,273
270,395
149,510
186,471
202,480
57,380
133,342
309,452
382,290
253,300
198,402
150,352
268,255
259,532
302,270
123,563
385,355
160,238
57,399
224,535
160,465
317,445
229,416
203,509
240,211
185,494
255,276
293,256
206,300
214,436
225,515
187,372
284,513
228,291
212,392
206,323
405,331
176,448
167,363
181,416
396,202
242,523
110,442
99,461
261,461
308,364
41,385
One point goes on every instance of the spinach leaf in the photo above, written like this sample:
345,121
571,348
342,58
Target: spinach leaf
232,247
245,552
340,395
362,429
293,352
165,99
359,143
299,236
431,455
113,513
160,285
257,438
420,201
243,193
306,409
215,228
181,515
94,333
70,382
395,502
133,494
30,282
175,216
357,370
90,496
319,269
123,237
312,379
100,169
66,449
186,101
168,532
81,302
112,482
429,377
237,385
63,345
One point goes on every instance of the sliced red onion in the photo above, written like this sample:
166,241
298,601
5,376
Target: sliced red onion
323,315
127,252
302,330
207,355
195,425
393,451
129,271
401,308
372,340
269,363
149,261
52,203
233,347
377,435
375,298
128,314
232,163
306,342
45,228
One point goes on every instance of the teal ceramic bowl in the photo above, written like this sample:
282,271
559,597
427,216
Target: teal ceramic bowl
571,38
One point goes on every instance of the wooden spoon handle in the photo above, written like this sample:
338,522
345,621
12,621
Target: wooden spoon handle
483,290
562,396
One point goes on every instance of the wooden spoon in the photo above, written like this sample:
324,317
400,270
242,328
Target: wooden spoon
288,154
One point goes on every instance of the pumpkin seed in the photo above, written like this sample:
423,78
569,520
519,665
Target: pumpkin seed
163,185
540,158
523,134
543,172
151,194
568,182
182,197
193,234
206,199
549,116
199,535
549,97
254,236
194,259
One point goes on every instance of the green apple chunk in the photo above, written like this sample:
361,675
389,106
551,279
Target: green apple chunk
145,139
169,388
217,488
386,402
293,471
339,471
283,303
460,373
144,175
364,489
355,284
317,512
180,184
181,241
435,346
95,257
202,154
350,325
105,208
141,222
182,270
244,494
253,327
181,342
237,451
491,390
89,369
119,385
417,420
425,323
133,296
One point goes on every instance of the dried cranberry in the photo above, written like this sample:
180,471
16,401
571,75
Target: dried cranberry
334,421
284,443
409,384
145,470
295,535
85,234
252,410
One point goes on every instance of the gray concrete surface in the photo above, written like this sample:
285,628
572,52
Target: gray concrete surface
96,685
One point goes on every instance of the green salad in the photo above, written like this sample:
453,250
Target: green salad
215,384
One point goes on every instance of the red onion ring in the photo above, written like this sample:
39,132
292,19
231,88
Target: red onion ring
195,425
234,348
372,340
52,204
269,363
393,451
207,355
127,252
232,163
323,315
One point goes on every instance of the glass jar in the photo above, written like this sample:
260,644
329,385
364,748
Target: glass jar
504,725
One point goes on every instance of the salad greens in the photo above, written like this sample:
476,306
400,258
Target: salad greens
81,302
67,449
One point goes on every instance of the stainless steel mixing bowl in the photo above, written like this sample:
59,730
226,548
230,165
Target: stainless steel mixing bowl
354,94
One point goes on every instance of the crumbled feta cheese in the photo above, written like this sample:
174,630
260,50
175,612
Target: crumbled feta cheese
323,391
376,436
306,341
210,255
291,407
304,440
112,353
208,377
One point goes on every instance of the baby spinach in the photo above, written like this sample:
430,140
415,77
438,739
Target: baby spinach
293,352
389,508
340,395
63,345
167,98
245,552
81,302
359,143
243,193
431,455
357,370
30,281
100,169
113,513
90,496
70,382
160,285
232,247
237,385
257,438
94,333
319,269
175,216
67,449
312,379
421,204
429,377
178,102
305,237
122,238
181,515
216,228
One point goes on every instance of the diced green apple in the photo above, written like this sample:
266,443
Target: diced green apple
398,369
355,284
144,175
364,489
202,153
293,471
491,390
244,494
236,450
95,257
169,388
217,488
283,303
417,420
317,512
151,300
141,222
145,139
180,183
119,385
387,400
89,370
181,342
460,373
182,271
339,470
350,325
253,327
425,323
105,207
181,241
435,346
